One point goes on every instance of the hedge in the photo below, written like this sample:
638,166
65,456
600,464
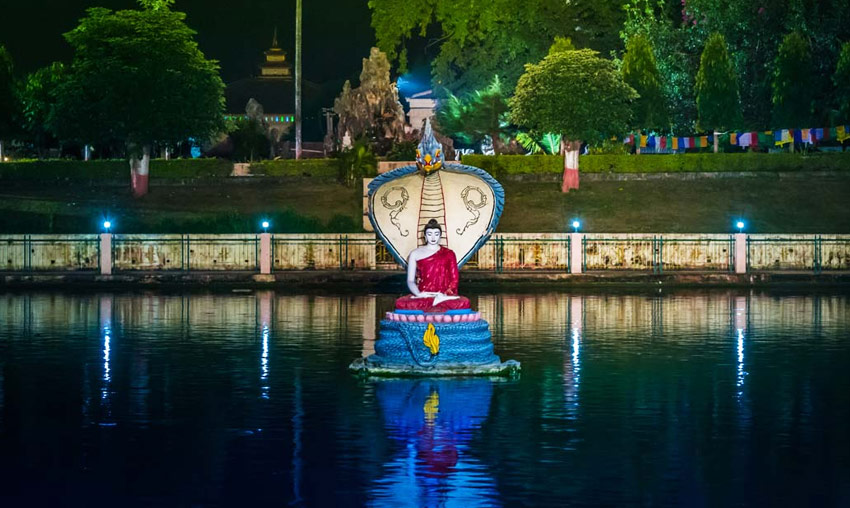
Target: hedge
318,168
112,169
689,162
189,168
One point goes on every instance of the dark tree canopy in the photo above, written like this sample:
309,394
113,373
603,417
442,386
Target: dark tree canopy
792,83
478,40
38,103
641,73
717,87
573,93
138,77
841,79
753,33
8,100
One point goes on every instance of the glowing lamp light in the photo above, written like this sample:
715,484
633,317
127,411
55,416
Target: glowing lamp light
576,225
265,225
107,225
740,225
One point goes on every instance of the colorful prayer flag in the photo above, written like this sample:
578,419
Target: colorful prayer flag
733,138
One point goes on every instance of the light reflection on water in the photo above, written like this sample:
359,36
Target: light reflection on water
717,398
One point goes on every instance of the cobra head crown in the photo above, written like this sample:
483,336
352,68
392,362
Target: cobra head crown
429,154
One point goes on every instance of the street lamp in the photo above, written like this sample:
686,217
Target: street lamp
740,225
576,225
265,224
107,225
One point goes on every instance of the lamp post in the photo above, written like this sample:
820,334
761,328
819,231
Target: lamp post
297,79
740,248
576,247
106,248
265,248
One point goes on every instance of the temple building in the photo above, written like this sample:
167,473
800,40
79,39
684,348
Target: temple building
274,90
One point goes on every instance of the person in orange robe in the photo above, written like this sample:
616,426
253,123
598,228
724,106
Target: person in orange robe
432,276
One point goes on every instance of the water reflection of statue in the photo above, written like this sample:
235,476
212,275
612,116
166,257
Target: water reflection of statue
432,422
432,276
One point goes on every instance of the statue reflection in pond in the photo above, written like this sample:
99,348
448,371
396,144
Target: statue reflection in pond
432,422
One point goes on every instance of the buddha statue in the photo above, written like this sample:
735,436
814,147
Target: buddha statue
432,276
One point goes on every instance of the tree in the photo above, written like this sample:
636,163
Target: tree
841,79
716,89
576,94
483,113
38,104
792,98
138,77
8,101
476,40
753,32
372,109
674,58
649,110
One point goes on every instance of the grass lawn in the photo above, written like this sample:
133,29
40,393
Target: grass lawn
305,206
768,204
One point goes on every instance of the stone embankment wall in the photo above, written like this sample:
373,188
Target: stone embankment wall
574,252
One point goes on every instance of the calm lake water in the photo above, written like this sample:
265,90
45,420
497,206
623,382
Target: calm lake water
689,399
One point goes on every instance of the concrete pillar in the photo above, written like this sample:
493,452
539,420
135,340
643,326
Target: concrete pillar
106,253
265,253
740,253
576,251
367,224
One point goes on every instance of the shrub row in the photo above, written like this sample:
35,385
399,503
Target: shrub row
689,162
317,168
112,169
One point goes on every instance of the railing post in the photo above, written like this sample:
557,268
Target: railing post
740,253
576,252
106,253
265,253
817,256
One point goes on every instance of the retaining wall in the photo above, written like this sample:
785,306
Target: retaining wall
362,251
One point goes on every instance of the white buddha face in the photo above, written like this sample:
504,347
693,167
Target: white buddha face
432,236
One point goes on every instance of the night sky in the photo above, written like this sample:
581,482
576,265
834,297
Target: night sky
337,33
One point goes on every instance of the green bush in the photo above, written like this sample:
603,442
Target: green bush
689,162
65,169
189,168
516,164
112,169
318,168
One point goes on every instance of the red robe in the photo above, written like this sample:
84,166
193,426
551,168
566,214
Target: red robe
436,273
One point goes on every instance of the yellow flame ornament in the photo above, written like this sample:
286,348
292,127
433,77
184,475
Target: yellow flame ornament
431,340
